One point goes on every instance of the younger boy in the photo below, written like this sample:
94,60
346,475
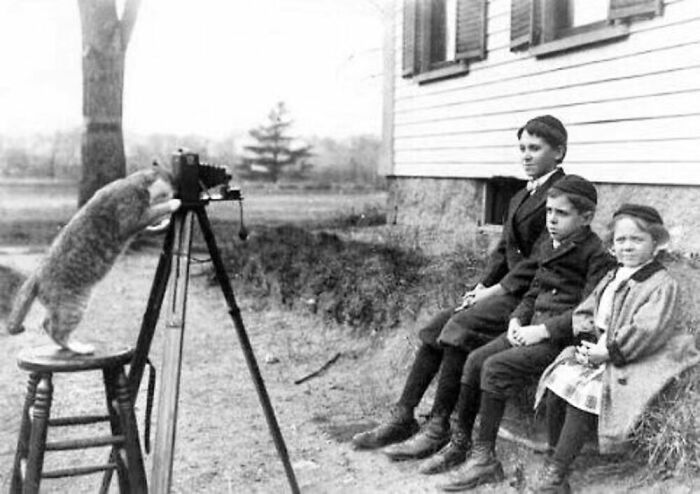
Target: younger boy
571,260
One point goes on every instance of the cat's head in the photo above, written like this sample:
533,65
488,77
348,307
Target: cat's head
161,187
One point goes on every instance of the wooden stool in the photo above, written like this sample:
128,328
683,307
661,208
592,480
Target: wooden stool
125,455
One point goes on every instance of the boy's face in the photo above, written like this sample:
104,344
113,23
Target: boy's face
538,157
563,218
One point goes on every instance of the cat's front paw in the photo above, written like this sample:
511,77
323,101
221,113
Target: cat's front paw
174,204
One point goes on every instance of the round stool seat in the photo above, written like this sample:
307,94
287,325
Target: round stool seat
52,358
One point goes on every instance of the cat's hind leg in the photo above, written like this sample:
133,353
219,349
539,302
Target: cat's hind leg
60,324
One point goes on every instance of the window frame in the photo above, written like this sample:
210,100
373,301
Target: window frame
536,25
556,38
470,39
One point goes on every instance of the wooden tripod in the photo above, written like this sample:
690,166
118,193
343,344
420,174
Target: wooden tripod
172,273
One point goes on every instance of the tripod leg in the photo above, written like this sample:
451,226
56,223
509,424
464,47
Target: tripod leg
150,316
164,448
235,312
148,327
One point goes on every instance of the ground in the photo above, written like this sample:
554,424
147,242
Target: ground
223,444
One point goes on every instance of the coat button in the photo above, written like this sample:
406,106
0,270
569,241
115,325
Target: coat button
554,291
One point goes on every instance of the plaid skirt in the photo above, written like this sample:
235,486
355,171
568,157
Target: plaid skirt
580,385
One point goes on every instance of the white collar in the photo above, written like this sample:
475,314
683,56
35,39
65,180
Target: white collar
533,184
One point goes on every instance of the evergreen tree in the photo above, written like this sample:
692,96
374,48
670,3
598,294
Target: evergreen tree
273,149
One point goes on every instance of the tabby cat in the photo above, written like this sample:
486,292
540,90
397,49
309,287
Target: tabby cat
86,249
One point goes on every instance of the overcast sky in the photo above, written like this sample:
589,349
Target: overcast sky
209,67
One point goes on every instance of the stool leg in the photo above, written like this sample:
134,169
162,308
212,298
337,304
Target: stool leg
37,436
137,474
23,439
110,383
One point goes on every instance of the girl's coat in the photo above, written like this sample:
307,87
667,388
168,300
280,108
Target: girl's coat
647,349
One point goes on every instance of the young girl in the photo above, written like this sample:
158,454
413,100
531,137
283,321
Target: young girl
629,349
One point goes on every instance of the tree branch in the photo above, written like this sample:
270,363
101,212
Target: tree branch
128,20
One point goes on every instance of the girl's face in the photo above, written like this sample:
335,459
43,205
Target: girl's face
633,246
538,157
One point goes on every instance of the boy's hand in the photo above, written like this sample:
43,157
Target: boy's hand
513,325
469,297
530,335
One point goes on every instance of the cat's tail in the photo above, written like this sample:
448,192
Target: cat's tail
23,301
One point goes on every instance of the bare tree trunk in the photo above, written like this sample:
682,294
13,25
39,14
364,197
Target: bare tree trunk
105,39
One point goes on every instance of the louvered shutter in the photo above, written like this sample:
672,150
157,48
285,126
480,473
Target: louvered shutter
410,32
521,12
620,9
471,30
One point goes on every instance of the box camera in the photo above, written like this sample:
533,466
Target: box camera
193,178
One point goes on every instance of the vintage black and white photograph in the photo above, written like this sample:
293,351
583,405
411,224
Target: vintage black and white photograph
335,246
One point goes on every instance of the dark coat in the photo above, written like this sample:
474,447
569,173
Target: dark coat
564,277
509,263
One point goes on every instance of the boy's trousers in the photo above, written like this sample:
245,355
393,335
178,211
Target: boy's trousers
503,370
470,328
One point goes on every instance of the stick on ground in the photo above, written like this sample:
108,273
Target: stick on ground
320,370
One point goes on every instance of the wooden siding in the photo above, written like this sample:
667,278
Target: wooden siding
632,107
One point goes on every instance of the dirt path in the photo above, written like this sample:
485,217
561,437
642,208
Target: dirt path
223,444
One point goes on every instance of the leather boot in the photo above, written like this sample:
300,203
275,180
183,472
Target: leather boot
451,455
481,468
400,426
433,436
553,479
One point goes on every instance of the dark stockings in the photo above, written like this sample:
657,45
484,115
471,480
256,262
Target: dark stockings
577,428
425,366
468,407
449,381
555,413
491,413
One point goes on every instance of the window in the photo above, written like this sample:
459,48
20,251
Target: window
441,36
551,26
499,192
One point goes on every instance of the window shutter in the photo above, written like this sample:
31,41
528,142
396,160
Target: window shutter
471,30
521,24
410,32
621,9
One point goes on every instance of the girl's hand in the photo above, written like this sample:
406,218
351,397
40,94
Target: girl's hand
597,353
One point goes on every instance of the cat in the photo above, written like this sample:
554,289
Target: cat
86,249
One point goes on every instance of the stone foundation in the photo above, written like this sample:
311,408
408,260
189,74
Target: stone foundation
437,214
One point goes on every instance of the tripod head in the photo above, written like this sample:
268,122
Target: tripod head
199,183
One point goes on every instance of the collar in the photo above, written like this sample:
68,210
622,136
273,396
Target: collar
533,184
646,271
577,236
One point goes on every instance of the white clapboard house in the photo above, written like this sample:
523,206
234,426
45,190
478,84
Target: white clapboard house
462,75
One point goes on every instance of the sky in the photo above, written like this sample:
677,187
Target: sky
207,67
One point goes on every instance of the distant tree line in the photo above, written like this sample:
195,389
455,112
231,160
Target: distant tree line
57,155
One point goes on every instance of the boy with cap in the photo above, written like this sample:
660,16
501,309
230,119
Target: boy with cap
571,260
483,314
